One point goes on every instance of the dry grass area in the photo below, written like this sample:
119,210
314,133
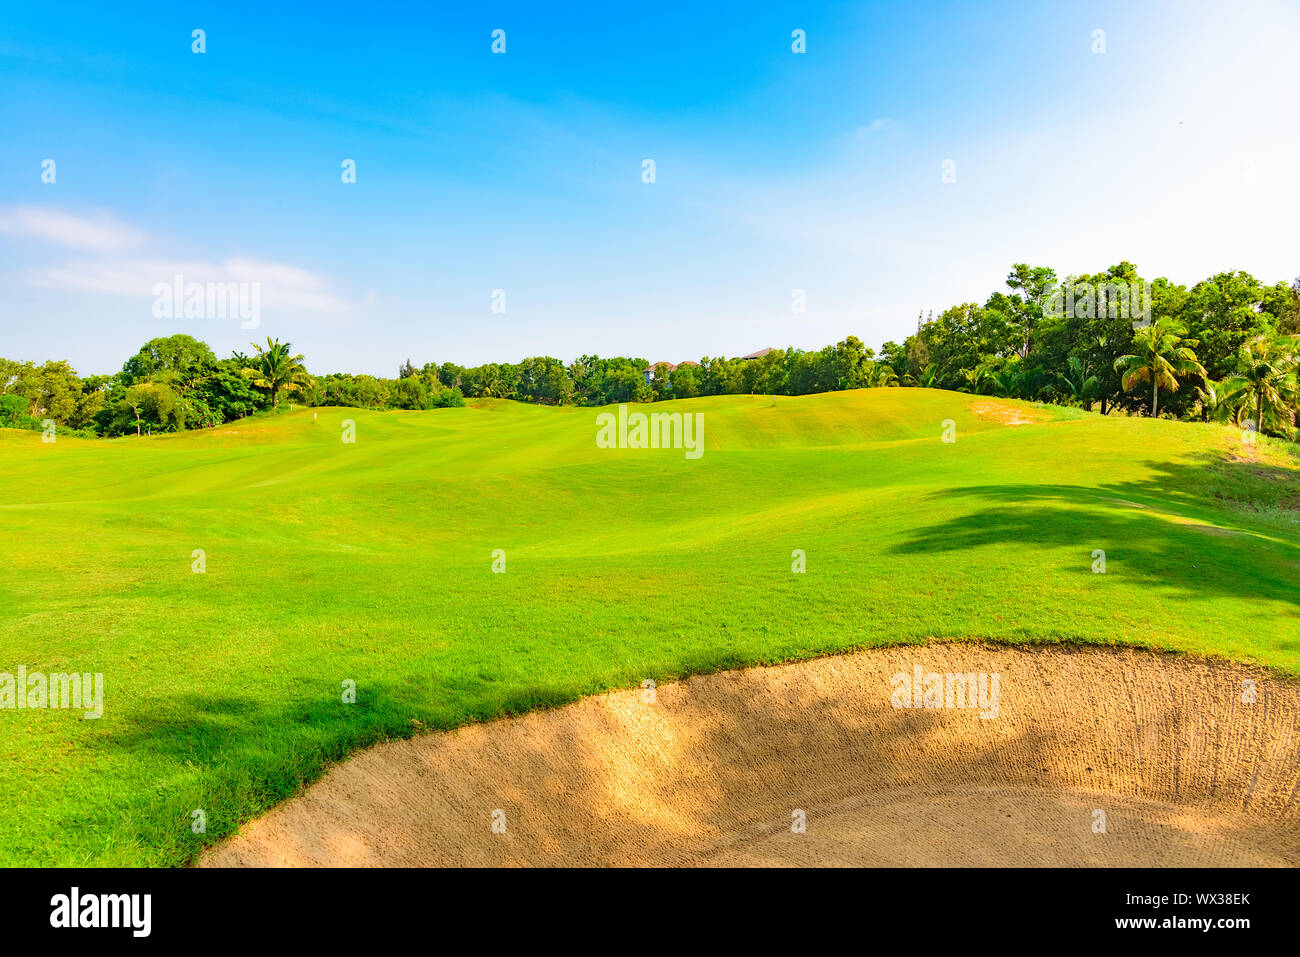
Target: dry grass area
711,772
1008,414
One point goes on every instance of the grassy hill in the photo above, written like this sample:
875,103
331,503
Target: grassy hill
372,562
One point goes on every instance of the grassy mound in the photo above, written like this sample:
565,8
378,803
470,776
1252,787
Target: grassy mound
371,562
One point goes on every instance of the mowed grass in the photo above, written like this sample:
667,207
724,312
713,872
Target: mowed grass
372,562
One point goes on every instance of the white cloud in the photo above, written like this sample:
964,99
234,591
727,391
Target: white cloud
101,233
114,271
879,124
282,286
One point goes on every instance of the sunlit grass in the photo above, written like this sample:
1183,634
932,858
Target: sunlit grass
372,562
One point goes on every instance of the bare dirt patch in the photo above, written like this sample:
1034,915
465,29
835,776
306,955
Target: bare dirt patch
1008,414
711,772
1216,530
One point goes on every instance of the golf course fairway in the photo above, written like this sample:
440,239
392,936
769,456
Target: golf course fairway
460,565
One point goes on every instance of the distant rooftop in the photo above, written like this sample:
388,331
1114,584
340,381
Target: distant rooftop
687,362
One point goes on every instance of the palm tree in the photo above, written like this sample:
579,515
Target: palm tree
275,370
1014,380
876,375
493,386
1267,383
928,379
979,380
1162,356
1032,382
1006,382
1083,387
1210,394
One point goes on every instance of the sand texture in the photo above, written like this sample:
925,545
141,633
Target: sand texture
715,769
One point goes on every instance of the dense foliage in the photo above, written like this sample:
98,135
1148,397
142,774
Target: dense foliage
1186,359
1226,349
177,383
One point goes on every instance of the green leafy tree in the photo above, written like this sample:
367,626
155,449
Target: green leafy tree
1225,312
410,392
1025,311
719,375
181,358
366,392
544,379
13,412
661,381
146,404
227,393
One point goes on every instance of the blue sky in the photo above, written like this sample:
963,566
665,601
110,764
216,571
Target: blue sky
775,171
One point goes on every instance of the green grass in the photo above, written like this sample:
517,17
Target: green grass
371,561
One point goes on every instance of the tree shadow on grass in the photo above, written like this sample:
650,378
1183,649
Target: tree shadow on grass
1216,482
1174,532
235,757
229,757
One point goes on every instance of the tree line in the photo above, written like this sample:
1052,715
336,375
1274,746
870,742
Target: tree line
175,383
1224,349
1228,348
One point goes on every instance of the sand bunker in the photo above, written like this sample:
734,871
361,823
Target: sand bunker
714,771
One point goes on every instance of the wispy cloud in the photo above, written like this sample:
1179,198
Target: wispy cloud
878,125
282,286
118,264
101,233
